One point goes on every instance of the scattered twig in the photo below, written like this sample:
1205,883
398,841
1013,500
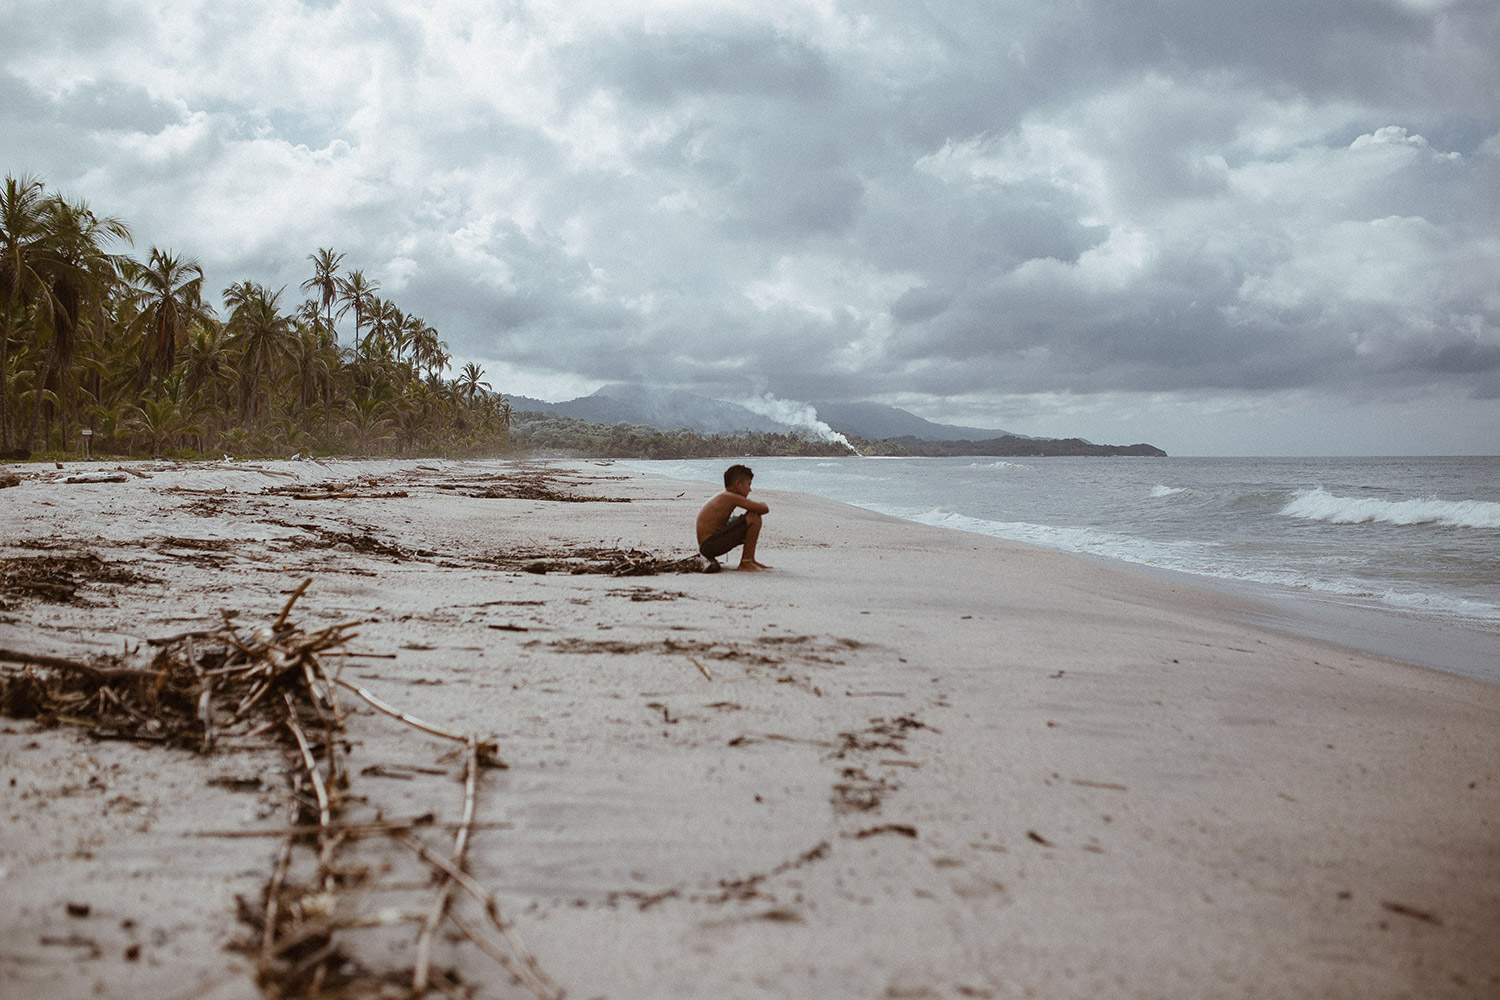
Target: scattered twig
301,589
206,687
396,713
445,893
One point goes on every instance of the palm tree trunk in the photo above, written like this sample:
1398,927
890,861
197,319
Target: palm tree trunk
5,375
36,412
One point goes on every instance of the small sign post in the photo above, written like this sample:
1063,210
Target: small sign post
88,444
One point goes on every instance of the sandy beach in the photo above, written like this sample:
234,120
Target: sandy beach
906,763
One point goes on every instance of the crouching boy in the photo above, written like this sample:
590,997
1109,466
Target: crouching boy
720,529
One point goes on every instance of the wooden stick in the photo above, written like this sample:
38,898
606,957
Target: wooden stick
273,898
352,829
172,639
281,618
396,713
530,976
325,810
102,674
445,891
544,987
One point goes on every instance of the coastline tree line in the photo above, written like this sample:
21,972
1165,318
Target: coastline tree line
92,338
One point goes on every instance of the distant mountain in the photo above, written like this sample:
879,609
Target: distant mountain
1016,447
874,421
530,405
664,409
671,409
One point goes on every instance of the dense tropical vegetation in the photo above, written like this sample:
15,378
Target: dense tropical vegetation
130,348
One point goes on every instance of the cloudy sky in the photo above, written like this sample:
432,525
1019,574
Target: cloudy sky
1220,226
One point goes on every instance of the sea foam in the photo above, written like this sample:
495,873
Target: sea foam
1319,505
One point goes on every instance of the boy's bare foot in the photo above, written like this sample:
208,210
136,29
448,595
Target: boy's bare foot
751,566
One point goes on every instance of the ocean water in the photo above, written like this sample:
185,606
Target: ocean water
1397,555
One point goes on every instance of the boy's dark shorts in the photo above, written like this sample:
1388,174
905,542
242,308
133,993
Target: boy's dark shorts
726,538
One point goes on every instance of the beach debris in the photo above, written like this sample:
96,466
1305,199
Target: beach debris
361,542
749,887
1038,838
56,578
97,477
208,689
1410,911
666,713
858,791
601,560
643,594
9,479
900,829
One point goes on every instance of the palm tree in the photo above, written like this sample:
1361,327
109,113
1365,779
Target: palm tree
325,279
172,287
357,293
82,279
427,351
379,315
262,335
367,423
25,231
205,366
165,420
315,360
469,382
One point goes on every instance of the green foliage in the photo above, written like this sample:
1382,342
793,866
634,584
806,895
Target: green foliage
551,434
131,350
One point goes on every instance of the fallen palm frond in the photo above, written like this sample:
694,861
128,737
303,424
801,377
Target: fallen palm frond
203,688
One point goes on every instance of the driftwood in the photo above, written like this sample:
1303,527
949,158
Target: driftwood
199,688
97,477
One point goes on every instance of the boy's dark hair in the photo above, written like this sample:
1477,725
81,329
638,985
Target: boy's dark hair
735,473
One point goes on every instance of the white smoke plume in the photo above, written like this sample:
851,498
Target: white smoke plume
800,415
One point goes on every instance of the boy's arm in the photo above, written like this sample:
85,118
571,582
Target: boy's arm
754,506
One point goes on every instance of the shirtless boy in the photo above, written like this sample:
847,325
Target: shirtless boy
718,532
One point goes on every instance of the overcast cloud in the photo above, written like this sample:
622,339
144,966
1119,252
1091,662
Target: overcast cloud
1221,226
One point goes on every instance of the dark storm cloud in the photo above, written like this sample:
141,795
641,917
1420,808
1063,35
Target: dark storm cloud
915,201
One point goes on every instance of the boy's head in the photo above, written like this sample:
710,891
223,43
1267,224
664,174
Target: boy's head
736,474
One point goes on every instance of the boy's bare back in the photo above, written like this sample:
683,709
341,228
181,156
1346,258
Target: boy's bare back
716,513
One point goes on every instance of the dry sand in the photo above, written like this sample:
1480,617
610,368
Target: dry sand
928,764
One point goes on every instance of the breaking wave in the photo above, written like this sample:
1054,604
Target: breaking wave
1319,505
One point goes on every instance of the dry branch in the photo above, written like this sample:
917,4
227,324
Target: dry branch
204,687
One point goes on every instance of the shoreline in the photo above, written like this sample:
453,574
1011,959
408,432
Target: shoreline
1448,641
907,763
1458,648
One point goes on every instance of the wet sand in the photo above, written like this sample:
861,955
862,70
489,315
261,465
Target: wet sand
906,763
